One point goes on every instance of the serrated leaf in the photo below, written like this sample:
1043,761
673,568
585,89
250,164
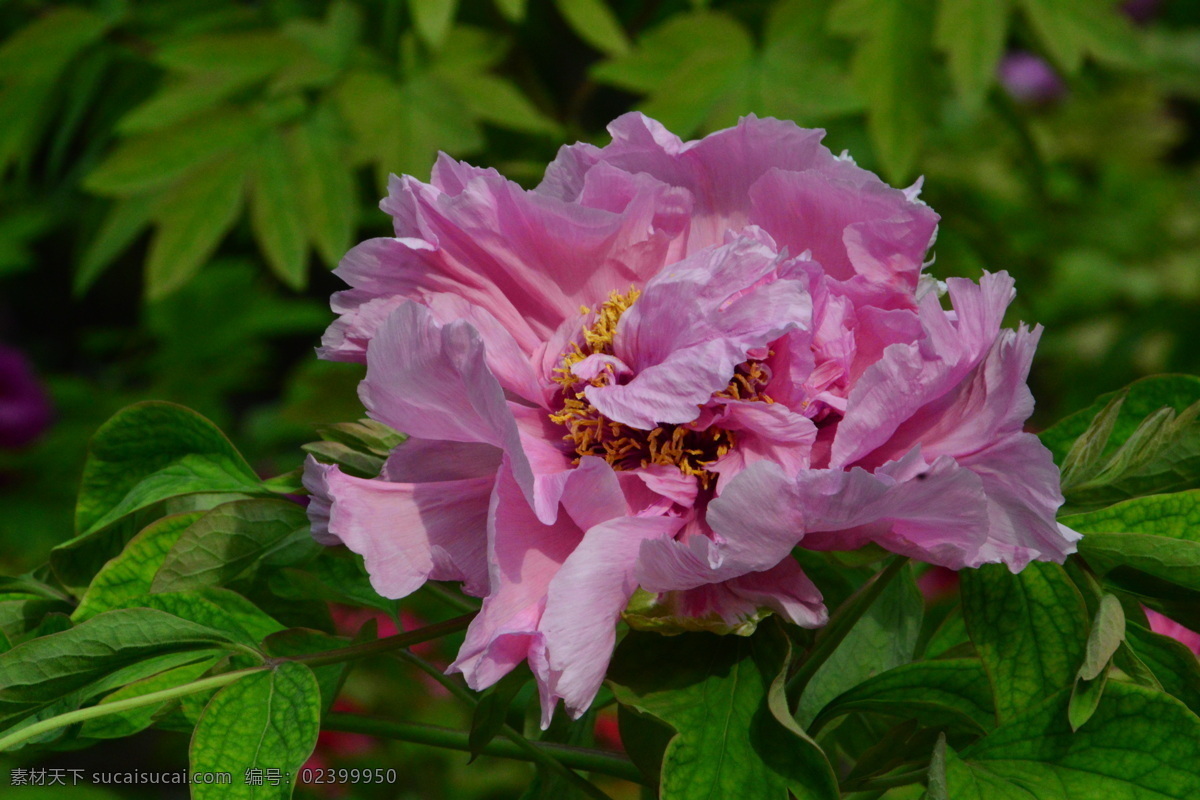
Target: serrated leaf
326,190
950,692
971,33
126,219
156,160
129,574
884,637
891,70
193,218
268,720
1030,630
750,752
226,541
44,668
1140,744
127,723
593,22
275,212
151,451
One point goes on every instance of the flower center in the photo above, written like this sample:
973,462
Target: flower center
692,451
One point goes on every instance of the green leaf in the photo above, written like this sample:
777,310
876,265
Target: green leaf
326,189
129,574
1107,633
219,609
44,668
884,637
126,219
492,711
499,102
938,790
1139,745
513,10
275,213
268,720
891,69
353,462
593,22
971,33
1030,630
1157,535
331,578
952,692
155,161
150,451
304,641
226,541
39,52
1069,29
194,217
713,690
687,65
432,19
127,723
1141,399
365,434
1173,664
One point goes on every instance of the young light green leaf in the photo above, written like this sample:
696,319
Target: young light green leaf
937,771
194,217
593,22
885,637
690,680
275,214
891,68
226,541
365,434
944,693
129,574
326,190
1085,698
1030,630
1107,633
155,161
353,462
268,720
1140,744
432,19
150,451
971,33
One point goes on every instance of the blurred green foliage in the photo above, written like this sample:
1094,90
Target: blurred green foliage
177,176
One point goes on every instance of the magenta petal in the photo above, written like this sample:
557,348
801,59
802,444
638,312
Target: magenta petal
784,589
407,533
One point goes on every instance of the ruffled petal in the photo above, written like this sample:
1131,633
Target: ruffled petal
407,533
692,325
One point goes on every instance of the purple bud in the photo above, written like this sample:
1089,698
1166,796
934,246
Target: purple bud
1141,11
1028,78
24,405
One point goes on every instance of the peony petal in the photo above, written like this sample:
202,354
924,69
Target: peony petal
407,533
692,325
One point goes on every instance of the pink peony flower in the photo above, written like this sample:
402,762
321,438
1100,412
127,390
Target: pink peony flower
660,371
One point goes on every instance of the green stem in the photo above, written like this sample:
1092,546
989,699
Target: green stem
575,757
384,645
839,625
117,706
532,750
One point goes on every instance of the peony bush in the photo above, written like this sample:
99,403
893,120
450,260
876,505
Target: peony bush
673,435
